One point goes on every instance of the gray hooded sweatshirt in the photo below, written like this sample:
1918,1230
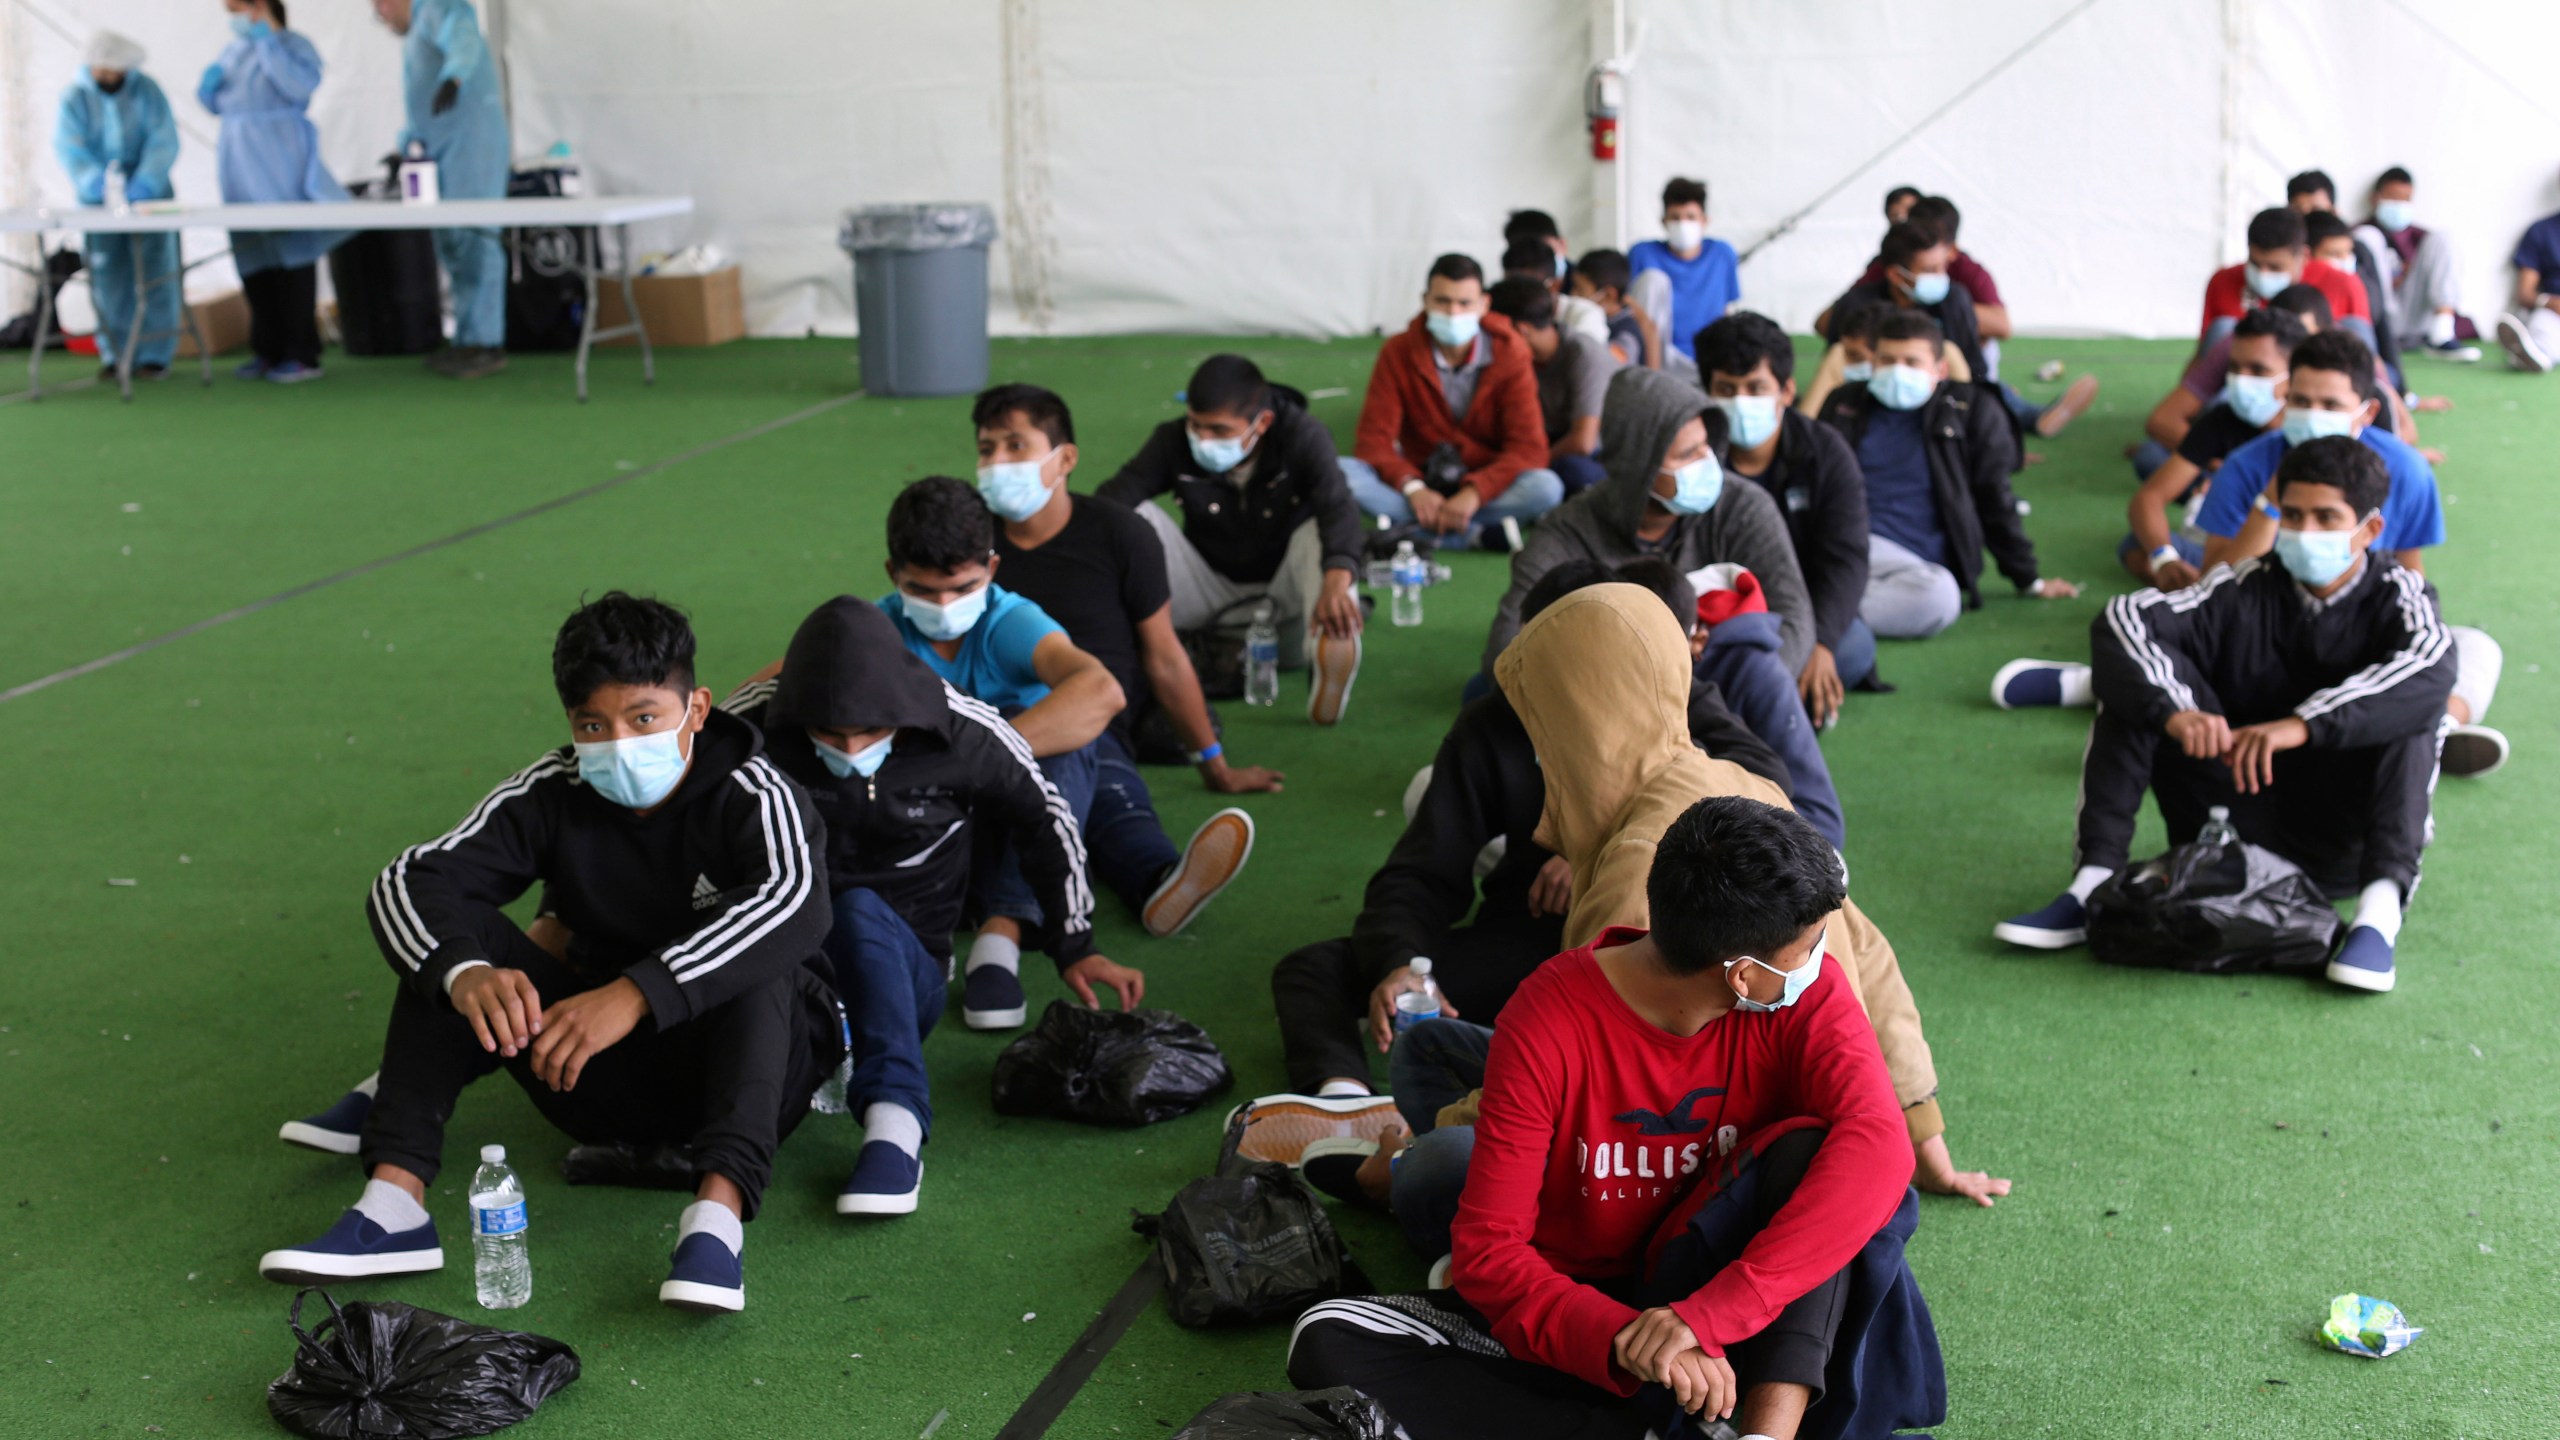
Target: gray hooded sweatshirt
1644,409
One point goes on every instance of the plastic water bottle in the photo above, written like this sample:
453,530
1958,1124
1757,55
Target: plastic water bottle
117,202
501,1264
1411,573
565,161
1262,659
2217,829
1422,1003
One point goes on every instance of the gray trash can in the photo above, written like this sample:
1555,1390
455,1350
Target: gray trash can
920,296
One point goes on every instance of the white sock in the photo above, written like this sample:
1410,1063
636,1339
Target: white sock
369,1084
2087,880
712,1217
390,1207
2440,328
2079,690
2378,910
996,950
1336,1088
895,1124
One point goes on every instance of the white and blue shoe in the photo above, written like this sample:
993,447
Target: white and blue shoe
991,999
705,1276
2058,926
885,1181
2025,683
2363,962
356,1249
338,1130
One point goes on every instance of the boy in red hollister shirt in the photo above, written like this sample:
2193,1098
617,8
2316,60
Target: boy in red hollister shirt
1687,1141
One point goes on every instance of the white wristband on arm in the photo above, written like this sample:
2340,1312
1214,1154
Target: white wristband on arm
2165,554
1413,485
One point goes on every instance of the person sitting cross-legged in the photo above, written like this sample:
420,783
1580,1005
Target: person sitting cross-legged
2251,404
1573,371
1688,279
2419,275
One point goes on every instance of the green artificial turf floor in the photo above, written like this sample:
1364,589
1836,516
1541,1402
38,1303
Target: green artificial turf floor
2200,1163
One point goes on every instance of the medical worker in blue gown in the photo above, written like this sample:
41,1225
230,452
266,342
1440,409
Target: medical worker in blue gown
270,154
455,110
116,117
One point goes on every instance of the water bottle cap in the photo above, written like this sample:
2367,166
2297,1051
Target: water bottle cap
493,1154
1419,965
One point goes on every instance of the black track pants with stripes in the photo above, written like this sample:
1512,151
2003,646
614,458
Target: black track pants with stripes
730,1083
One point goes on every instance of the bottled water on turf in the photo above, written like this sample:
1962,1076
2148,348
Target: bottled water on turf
1262,659
1411,573
500,1262
1419,1004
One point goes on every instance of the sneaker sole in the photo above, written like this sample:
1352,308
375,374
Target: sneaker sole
313,1267
995,1019
1334,674
2372,982
1282,1129
312,1137
2039,939
2469,754
1439,1276
702,1299
857,1203
2520,347
1207,867
2075,402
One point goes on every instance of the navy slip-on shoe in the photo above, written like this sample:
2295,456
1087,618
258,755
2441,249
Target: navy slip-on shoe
356,1248
885,1181
2058,926
2363,962
705,1276
991,999
337,1130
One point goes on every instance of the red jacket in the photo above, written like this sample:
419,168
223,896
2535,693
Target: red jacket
2227,295
1404,417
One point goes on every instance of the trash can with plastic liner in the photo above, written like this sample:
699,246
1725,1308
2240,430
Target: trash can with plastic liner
920,296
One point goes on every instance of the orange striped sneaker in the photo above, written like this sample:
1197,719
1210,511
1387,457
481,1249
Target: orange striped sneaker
1215,856
1283,1126
1336,665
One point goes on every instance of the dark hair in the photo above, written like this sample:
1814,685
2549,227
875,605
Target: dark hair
2305,300
1896,195
1531,225
1527,304
1043,408
1905,241
277,7
1858,319
1938,213
1684,191
621,639
2311,182
1454,266
1562,580
2342,461
2322,225
2277,325
1897,323
1228,385
1735,877
2341,351
1530,257
939,523
1606,270
1737,344
2276,229
1667,584
2395,176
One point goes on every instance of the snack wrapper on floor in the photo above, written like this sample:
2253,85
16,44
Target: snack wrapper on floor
2362,1325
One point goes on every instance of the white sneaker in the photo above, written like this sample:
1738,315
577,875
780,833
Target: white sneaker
2473,750
1283,1126
2522,353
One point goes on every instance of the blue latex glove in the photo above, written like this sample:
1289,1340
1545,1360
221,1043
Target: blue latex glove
212,80
146,187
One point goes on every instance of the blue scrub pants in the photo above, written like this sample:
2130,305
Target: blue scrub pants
477,265
112,261
892,989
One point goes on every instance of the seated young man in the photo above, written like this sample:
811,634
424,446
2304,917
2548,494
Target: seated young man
1005,651
1625,1228
2251,404
2531,331
902,769
2418,274
2279,256
1450,434
2205,381
1936,458
691,1005
2307,696
1573,371
1850,357
1265,515
1532,250
1898,202
1917,260
2313,193
1700,278
1603,277
1749,366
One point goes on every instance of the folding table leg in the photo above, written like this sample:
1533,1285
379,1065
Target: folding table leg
44,319
587,265
631,308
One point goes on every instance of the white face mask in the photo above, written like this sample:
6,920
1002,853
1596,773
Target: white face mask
636,771
1684,235
948,620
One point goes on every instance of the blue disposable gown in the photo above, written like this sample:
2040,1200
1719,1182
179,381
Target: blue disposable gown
270,152
469,141
132,128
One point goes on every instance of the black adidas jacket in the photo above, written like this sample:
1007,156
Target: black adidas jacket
712,894
1243,532
1971,454
904,833
2374,664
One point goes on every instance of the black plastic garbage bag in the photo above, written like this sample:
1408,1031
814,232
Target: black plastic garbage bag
1248,1244
1341,1413
374,1370
1109,1067
2217,909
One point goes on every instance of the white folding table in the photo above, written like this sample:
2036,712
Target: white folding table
584,214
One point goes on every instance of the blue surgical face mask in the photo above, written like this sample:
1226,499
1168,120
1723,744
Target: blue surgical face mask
2252,397
2302,423
2316,557
1797,981
1695,486
1858,372
1751,418
1453,330
1902,387
949,620
2394,215
865,762
636,772
1929,289
249,27
2268,284
1217,456
1014,489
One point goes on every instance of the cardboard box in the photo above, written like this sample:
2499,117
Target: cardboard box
680,310
224,319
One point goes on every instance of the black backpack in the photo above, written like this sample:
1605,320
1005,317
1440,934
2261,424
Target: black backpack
1248,1244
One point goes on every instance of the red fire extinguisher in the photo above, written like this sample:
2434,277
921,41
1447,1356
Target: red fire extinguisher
1602,97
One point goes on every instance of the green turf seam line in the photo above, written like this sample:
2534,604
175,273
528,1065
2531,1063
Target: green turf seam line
16,397
90,667
1049,1399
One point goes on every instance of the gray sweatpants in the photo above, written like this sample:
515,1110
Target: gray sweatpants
1907,598
2476,663
2428,285
1201,594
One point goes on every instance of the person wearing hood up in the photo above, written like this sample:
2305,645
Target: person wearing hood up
114,117
456,111
902,767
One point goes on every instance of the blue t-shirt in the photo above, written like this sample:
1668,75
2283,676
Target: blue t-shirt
1902,502
2539,251
1701,289
994,663
2412,518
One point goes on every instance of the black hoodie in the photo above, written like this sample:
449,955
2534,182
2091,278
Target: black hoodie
904,832
1243,531
708,896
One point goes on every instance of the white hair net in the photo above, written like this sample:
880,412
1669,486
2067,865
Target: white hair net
111,51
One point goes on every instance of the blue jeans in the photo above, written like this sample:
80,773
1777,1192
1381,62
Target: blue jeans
892,989
1578,472
477,264
1760,692
2027,411
2148,456
1855,656
1532,493
1433,1065
112,261
1126,849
